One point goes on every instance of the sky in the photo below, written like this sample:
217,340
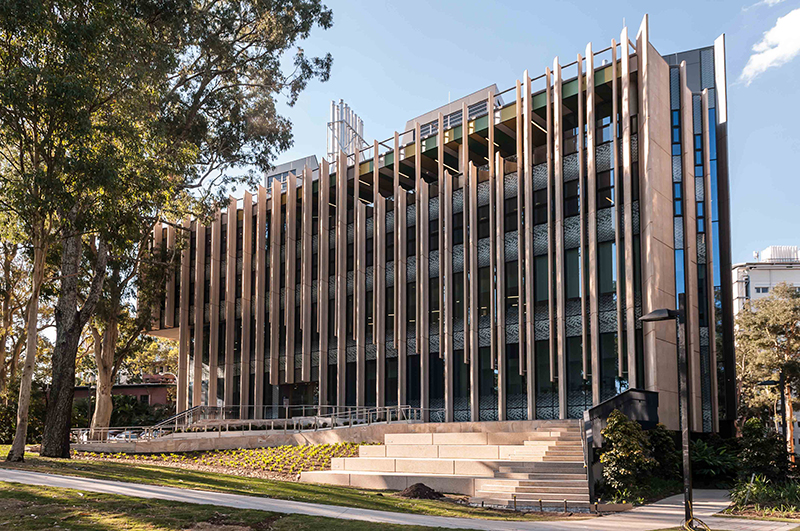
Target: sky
394,61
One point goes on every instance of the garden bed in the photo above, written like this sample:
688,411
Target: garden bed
282,462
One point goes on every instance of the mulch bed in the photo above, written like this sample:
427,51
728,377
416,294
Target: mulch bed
420,491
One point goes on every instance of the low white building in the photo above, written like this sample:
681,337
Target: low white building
773,265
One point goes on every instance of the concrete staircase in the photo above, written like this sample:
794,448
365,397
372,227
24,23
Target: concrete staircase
541,467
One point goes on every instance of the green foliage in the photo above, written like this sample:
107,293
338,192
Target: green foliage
767,341
8,413
766,494
626,457
128,411
762,452
665,452
713,463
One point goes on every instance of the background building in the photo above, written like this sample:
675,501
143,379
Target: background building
556,213
773,265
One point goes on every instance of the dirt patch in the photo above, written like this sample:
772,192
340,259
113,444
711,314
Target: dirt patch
7,504
420,491
752,512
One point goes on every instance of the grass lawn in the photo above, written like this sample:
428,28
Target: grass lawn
33,507
139,472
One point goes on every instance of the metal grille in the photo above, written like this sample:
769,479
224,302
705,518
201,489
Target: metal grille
675,88
540,176
572,232
699,189
510,185
483,193
605,225
570,167
603,157
706,68
540,239
608,321
677,170
678,228
510,246
484,252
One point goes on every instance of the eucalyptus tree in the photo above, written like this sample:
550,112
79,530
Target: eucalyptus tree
199,119
768,344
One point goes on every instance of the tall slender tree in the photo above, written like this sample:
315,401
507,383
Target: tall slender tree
166,135
768,344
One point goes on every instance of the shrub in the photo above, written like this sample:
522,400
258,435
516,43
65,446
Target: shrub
713,464
762,453
626,457
665,452
764,494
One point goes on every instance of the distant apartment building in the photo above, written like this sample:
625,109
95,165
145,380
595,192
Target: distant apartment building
756,279
490,262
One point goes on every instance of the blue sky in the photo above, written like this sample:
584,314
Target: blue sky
396,60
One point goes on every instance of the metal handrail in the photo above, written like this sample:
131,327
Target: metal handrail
192,421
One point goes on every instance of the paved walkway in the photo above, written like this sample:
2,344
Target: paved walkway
666,513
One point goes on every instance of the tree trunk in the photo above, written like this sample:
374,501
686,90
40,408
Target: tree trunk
104,351
17,451
7,368
789,422
69,325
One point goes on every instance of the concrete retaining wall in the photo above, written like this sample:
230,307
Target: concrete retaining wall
189,442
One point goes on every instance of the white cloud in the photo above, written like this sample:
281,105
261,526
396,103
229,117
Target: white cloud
768,3
777,47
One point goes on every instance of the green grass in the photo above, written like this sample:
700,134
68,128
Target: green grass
154,474
28,507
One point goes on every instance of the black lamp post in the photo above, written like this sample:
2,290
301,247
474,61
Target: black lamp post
679,316
782,384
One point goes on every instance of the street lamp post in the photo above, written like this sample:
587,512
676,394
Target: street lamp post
679,316
782,384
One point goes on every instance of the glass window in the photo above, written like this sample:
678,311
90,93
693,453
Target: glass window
483,221
605,189
510,212
539,207
571,199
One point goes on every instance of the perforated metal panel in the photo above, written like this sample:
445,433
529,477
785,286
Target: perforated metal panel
458,201
674,88
706,68
635,217
699,189
572,232
608,322
677,169
540,239
433,208
605,225
510,185
697,113
570,167
483,193
411,268
458,258
603,157
635,147
411,215
540,176
510,246
484,252
678,228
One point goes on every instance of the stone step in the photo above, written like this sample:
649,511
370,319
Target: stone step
523,476
454,451
552,467
499,487
546,483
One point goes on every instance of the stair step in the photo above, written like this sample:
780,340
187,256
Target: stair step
535,497
533,490
540,476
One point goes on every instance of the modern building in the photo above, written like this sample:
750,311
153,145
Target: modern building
491,262
754,280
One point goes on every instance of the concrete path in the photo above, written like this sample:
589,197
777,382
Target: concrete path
666,513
